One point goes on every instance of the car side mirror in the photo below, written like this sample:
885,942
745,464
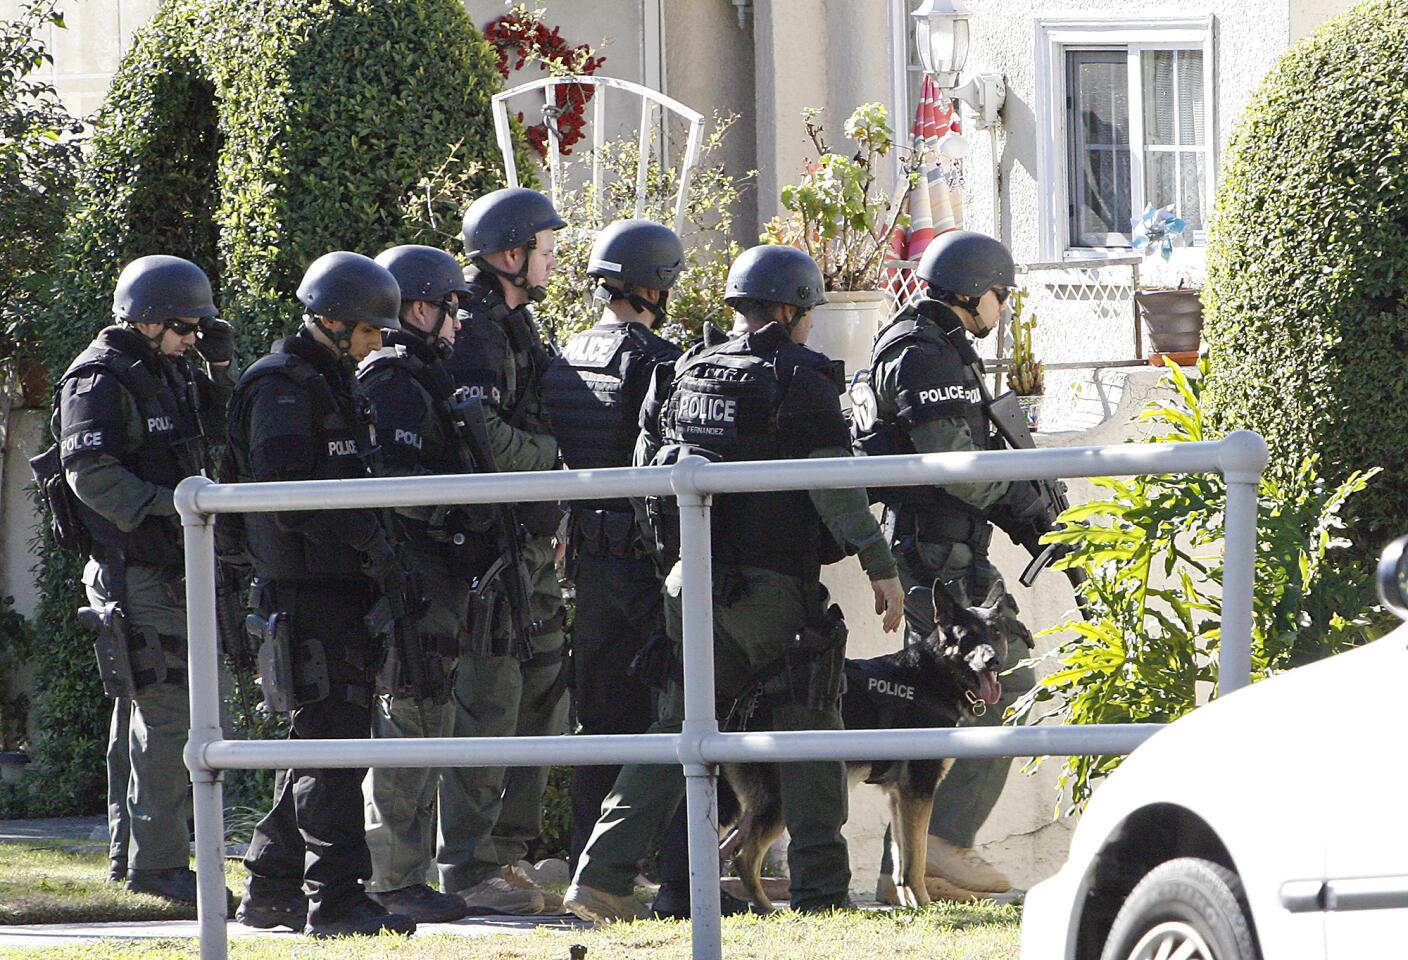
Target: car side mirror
1393,577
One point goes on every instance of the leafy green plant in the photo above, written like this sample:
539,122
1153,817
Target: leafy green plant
250,138
40,150
839,216
1026,376
1306,318
16,648
1147,648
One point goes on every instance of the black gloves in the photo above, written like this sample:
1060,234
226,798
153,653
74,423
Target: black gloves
1022,513
216,340
387,566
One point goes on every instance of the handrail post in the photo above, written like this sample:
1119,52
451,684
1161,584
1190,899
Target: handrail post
202,669
1243,457
701,796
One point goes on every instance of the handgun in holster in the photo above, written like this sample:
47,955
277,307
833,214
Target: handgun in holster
411,667
816,667
111,647
656,664
275,660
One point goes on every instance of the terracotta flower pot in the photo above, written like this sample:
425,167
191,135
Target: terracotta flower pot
1174,319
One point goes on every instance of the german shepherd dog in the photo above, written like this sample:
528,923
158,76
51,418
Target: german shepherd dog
951,674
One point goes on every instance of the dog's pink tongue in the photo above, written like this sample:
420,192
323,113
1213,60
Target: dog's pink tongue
989,687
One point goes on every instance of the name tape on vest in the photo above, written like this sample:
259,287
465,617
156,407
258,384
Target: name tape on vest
950,393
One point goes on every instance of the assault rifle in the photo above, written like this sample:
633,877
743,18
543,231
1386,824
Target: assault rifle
1010,421
508,570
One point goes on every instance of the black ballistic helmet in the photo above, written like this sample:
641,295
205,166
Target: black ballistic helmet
155,289
775,273
506,219
424,273
353,289
966,263
639,252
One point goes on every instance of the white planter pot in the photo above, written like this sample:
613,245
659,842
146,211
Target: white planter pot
844,327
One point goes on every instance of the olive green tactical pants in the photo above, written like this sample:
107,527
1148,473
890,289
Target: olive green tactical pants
757,615
971,789
490,815
400,801
157,786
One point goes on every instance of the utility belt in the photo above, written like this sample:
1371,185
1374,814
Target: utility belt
931,527
465,539
605,533
295,671
811,674
130,660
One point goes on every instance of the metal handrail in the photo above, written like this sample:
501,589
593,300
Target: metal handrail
650,101
700,745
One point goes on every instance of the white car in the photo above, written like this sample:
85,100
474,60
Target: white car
1272,823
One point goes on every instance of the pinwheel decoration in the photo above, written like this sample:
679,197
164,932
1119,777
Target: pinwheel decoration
1156,230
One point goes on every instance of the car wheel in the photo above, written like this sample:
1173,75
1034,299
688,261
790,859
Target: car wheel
1189,908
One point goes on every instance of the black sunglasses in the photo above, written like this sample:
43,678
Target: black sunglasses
1002,293
183,328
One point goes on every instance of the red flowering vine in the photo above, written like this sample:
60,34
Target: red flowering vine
520,36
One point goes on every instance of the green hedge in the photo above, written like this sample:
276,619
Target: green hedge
251,138
1307,324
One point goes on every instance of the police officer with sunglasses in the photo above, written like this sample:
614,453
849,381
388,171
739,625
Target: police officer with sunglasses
133,415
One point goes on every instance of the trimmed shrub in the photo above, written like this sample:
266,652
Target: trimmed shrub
250,138
1307,322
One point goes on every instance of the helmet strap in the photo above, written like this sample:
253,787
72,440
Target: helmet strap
519,278
153,342
341,339
656,309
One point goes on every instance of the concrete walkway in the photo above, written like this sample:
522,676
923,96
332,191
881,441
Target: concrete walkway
69,934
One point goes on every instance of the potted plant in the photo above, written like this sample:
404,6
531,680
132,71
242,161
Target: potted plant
838,215
1173,316
1025,375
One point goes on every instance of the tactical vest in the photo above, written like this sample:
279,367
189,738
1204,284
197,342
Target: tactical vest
726,400
436,382
880,696
344,441
890,434
171,446
499,357
592,395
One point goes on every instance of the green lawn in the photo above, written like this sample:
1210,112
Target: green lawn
59,882
52,882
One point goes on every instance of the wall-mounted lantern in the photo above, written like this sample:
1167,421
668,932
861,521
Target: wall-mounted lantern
941,34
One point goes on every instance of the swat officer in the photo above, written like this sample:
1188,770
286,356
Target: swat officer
593,393
133,415
758,395
925,377
412,394
298,414
489,816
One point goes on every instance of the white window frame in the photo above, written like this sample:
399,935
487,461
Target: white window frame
1054,37
901,110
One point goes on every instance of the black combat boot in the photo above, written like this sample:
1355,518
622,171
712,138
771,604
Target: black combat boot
270,908
672,903
362,918
422,904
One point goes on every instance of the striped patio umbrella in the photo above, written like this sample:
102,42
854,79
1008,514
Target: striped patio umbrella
932,207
